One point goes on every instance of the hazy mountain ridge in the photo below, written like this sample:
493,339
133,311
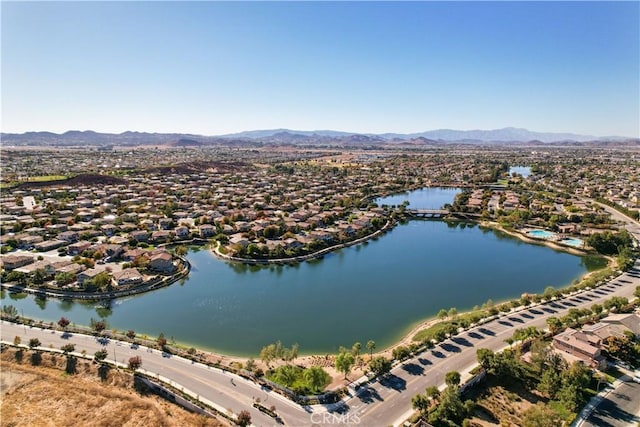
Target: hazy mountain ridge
286,136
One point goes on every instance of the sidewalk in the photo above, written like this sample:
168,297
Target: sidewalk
594,402
597,399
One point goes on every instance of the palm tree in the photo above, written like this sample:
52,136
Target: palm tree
371,345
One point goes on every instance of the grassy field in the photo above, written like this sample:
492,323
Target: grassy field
45,395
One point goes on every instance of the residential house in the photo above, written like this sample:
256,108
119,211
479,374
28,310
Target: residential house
567,228
69,236
108,229
127,277
629,321
207,230
161,236
139,235
49,245
28,242
11,262
162,262
238,239
133,254
86,275
78,247
583,346
182,232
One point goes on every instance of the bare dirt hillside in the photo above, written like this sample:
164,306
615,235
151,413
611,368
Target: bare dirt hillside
46,395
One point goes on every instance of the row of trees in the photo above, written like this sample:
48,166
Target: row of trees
577,316
276,350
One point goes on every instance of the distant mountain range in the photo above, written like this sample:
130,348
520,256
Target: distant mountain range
325,137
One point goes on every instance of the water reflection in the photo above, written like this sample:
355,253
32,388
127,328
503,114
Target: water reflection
41,301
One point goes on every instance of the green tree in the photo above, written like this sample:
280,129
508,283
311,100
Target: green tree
268,354
355,349
100,355
432,392
286,375
539,355
131,334
101,280
316,379
34,342
292,353
371,345
442,314
68,348
401,352
450,409
344,362
578,374
541,415
569,396
549,293
420,402
616,302
452,378
39,276
596,309
181,250
550,383
485,357
554,324
64,278
621,348
380,365
609,243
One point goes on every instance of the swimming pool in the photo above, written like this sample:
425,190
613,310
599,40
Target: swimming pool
573,242
541,234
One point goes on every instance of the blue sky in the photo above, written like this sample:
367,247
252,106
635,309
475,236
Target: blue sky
221,67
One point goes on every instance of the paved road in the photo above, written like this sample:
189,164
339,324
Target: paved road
382,403
620,408
389,402
210,383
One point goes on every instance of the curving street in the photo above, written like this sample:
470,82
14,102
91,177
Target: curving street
381,403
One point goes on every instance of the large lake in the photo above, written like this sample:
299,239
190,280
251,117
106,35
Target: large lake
376,290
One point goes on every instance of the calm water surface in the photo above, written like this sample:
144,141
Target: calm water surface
525,171
372,291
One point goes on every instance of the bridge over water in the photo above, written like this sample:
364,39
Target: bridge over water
427,213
